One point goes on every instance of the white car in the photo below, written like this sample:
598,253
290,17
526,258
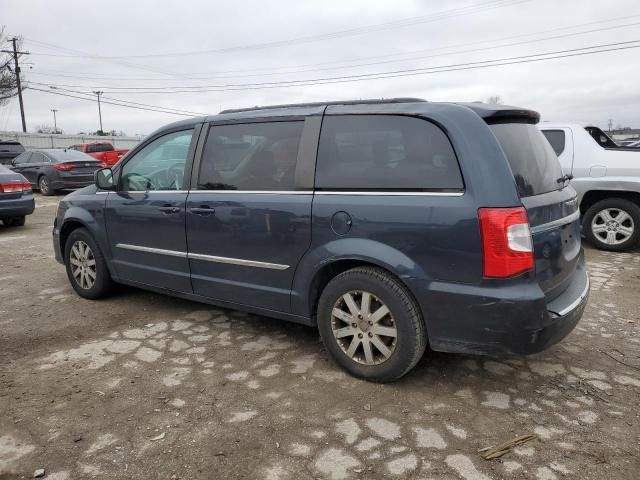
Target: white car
607,179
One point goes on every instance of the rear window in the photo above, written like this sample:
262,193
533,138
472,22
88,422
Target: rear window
385,152
556,139
99,147
12,147
533,162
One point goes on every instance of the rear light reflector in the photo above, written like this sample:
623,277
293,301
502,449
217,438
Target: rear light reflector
63,167
507,248
15,187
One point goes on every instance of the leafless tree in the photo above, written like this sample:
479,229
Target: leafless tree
8,83
494,100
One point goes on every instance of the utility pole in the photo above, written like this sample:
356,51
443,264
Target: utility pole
17,67
98,93
610,124
55,124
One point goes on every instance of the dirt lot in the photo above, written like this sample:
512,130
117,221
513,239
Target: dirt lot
146,386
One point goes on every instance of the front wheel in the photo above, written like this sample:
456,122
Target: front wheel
86,267
613,224
44,186
371,325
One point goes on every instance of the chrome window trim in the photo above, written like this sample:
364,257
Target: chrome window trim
556,223
577,301
284,192
309,192
201,256
392,193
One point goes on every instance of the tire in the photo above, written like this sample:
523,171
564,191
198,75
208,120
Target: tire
402,351
602,229
45,187
14,221
83,283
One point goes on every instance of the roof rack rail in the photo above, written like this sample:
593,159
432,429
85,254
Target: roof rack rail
319,104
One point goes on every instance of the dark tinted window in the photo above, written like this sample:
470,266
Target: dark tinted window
601,138
12,147
533,162
99,147
556,139
38,158
385,152
251,156
22,158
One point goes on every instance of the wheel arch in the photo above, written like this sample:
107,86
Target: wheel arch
592,197
318,268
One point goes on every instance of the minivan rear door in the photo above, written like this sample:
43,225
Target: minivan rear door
249,210
552,206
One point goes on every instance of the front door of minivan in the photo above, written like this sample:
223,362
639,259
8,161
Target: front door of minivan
248,220
145,217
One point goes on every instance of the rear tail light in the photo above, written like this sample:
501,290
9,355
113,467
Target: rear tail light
15,187
507,248
63,167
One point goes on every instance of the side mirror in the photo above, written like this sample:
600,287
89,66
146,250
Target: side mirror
103,179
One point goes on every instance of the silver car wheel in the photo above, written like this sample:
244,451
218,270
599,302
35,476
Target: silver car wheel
83,265
612,226
364,327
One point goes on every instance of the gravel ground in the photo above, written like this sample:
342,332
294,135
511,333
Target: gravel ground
146,386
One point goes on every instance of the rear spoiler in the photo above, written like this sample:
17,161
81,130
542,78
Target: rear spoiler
493,114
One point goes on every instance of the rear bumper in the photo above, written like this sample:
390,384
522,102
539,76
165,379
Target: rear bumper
513,319
71,181
17,207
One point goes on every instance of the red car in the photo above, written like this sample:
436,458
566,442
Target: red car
102,151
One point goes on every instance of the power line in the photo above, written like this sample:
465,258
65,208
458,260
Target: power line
459,11
107,102
388,74
168,109
555,37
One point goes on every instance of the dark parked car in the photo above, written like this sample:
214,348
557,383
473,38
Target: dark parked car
9,150
16,198
51,170
390,225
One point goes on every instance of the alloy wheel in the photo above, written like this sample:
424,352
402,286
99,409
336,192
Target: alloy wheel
364,327
612,226
83,265
44,185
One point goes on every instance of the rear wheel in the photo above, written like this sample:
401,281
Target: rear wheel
14,221
45,186
86,267
613,224
371,325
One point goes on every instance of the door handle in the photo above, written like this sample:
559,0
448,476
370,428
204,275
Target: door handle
202,210
169,209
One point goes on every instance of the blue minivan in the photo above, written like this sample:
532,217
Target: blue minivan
390,225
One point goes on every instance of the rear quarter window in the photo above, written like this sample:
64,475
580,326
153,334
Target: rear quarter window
385,152
556,139
533,162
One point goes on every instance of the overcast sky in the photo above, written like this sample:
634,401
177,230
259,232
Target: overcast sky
178,45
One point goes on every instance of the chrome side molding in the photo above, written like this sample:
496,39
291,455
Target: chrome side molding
207,258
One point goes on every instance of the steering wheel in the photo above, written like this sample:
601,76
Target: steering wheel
138,183
175,175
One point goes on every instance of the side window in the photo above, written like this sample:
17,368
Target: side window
37,158
251,156
22,158
385,152
557,140
159,165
